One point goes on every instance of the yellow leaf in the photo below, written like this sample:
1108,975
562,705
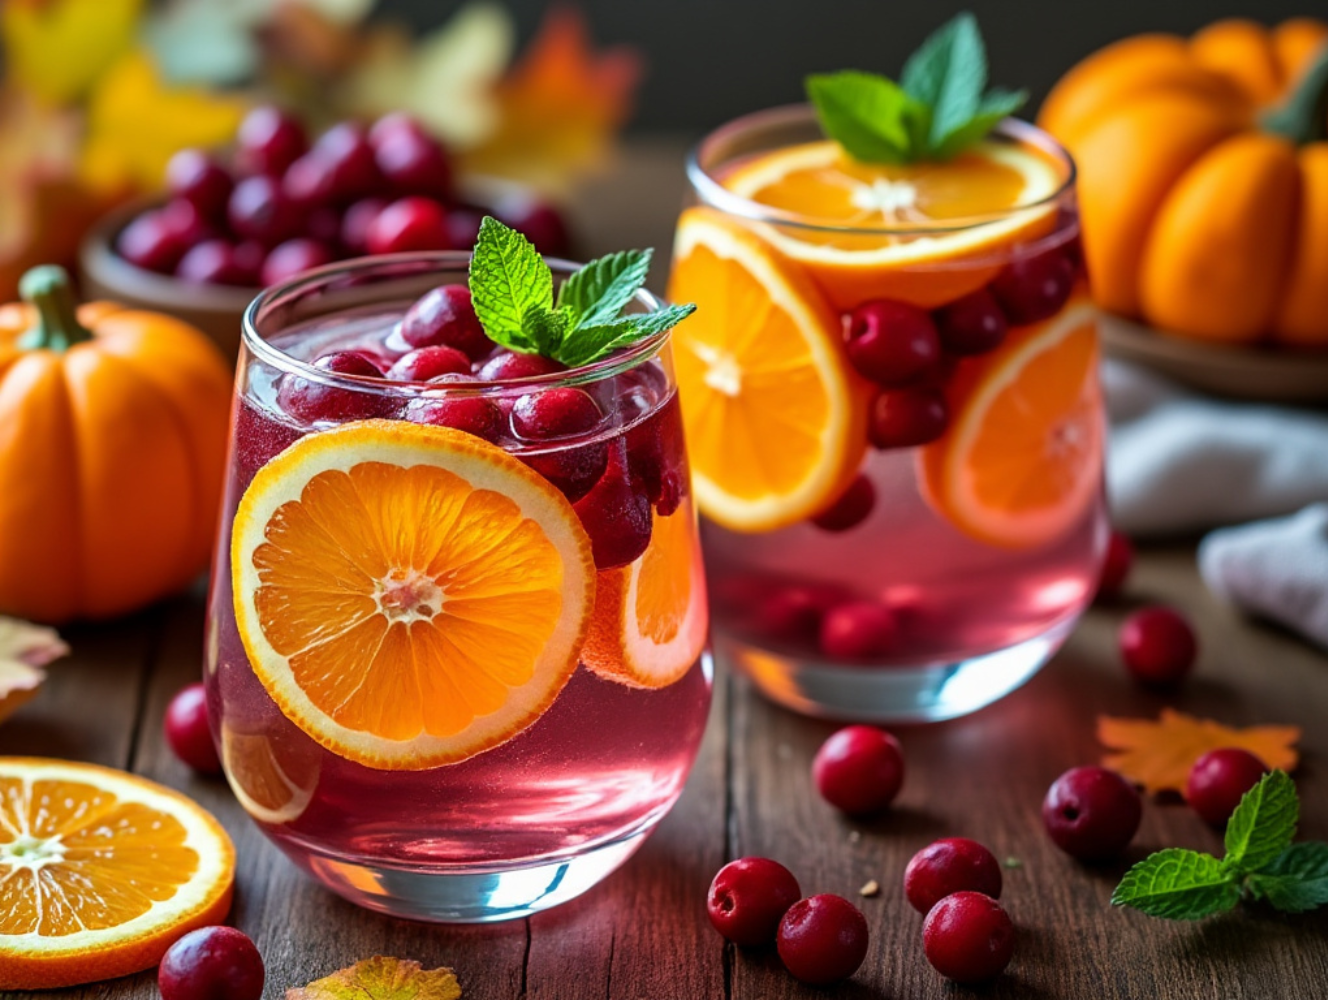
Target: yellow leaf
58,48
136,122
24,648
382,979
1159,755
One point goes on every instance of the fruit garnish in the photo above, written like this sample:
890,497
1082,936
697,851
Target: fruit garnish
1023,454
775,416
859,770
512,290
651,617
1157,645
748,898
212,963
409,595
1260,863
944,867
968,937
940,107
1091,813
24,649
1218,781
73,837
382,979
273,775
822,939
1159,754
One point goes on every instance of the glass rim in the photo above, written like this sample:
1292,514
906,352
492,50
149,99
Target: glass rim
711,192
259,347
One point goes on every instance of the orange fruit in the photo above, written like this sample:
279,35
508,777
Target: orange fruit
273,778
946,217
100,872
651,617
409,596
774,414
1022,458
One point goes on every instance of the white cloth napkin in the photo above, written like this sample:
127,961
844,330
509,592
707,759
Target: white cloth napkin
1180,463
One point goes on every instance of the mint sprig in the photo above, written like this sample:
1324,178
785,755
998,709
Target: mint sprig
939,108
1260,862
511,288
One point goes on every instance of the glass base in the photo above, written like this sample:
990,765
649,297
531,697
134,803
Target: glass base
928,693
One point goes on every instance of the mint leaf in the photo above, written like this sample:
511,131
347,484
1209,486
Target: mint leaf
591,343
1296,881
508,280
1264,823
948,74
995,108
1178,884
546,328
871,117
597,293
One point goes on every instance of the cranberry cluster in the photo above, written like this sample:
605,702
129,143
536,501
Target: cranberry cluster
285,205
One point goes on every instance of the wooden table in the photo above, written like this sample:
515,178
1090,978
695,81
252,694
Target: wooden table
643,933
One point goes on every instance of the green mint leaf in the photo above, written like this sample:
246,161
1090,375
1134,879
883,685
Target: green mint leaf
546,328
1179,885
597,292
948,74
1264,823
590,343
508,279
871,117
995,108
1297,880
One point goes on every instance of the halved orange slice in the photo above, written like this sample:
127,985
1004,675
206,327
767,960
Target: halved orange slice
273,778
774,414
1023,456
947,214
100,872
408,595
651,617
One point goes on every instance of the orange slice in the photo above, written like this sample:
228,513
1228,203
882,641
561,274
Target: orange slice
100,872
1022,459
273,778
775,416
983,200
650,618
409,596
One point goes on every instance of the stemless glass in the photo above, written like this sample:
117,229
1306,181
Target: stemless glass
953,551
562,797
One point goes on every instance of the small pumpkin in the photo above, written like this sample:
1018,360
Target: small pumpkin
112,453
1203,179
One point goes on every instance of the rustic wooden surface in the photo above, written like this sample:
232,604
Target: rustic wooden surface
643,934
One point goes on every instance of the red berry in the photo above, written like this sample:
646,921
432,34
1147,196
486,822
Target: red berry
615,513
212,963
187,222
446,316
1116,566
472,414
187,730
463,227
1158,645
944,867
268,141
822,939
213,262
749,897
538,221
1033,288
859,770
902,418
892,343
309,182
353,172
973,324
1218,780
150,242
555,413
851,509
657,457
193,175
413,162
392,122
511,365
355,223
856,630
258,210
426,363
288,259
968,937
794,612
1091,813
411,223
324,226
562,412
312,401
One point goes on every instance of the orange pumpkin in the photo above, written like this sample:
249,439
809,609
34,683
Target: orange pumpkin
1203,179
112,452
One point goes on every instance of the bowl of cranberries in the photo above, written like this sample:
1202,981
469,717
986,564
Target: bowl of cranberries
282,201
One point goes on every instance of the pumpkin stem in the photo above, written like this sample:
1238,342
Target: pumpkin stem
1304,116
57,329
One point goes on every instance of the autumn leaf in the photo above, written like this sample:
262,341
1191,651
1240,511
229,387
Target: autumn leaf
382,979
1159,754
57,49
24,649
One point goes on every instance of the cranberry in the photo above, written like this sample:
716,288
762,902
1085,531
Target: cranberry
561,413
851,509
426,363
288,259
1091,813
413,163
858,629
186,222
213,262
1116,566
968,937
446,316
187,731
749,897
794,611
355,223
324,225
973,324
1219,779
554,413
859,770
822,939
1158,645
311,401
350,161
463,227
1032,288
472,414
194,176
248,256
411,223
944,867
310,182
902,418
615,513
150,242
512,365
390,123
538,221
268,141
258,210
891,343
657,457
212,963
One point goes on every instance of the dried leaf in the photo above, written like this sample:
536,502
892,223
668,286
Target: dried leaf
382,979
24,649
1159,754
57,49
